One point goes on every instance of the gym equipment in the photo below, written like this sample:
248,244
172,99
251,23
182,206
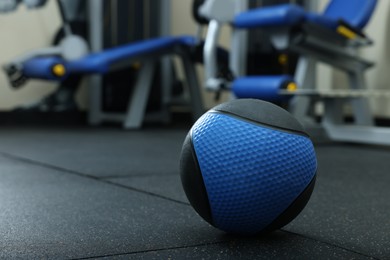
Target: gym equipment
247,166
146,52
71,47
333,37
11,5
56,64
8,5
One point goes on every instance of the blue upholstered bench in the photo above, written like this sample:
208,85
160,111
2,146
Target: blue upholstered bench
104,61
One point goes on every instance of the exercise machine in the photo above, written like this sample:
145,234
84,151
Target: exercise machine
332,37
55,64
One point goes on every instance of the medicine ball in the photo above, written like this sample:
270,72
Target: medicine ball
248,167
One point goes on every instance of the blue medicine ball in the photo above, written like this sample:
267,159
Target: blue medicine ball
248,167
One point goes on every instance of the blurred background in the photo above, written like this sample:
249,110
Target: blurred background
25,30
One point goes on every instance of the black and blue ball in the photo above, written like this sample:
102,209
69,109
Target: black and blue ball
248,167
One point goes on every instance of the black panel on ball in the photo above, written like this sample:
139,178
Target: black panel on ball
294,209
192,180
262,112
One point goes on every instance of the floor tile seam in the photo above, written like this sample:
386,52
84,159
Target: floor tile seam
145,192
217,243
153,250
117,177
46,165
330,244
87,176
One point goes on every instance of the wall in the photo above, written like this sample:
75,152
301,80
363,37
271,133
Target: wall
22,31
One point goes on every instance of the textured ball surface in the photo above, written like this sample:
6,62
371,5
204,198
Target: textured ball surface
247,166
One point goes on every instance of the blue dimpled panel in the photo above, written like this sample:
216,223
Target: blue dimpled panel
251,173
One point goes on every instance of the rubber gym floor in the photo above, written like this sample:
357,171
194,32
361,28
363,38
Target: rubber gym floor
82,192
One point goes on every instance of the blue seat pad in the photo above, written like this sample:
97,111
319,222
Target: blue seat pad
100,62
325,21
261,87
281,16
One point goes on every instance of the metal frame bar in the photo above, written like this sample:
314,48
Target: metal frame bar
305,77
360,106
95,9
210,55
196,99
139,97
358,134
166,62
239,43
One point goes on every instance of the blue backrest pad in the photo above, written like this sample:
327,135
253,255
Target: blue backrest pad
270,16
355,12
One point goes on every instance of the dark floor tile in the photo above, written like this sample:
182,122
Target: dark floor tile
96,151
279,245
166,186
46,212
350,206
49,214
